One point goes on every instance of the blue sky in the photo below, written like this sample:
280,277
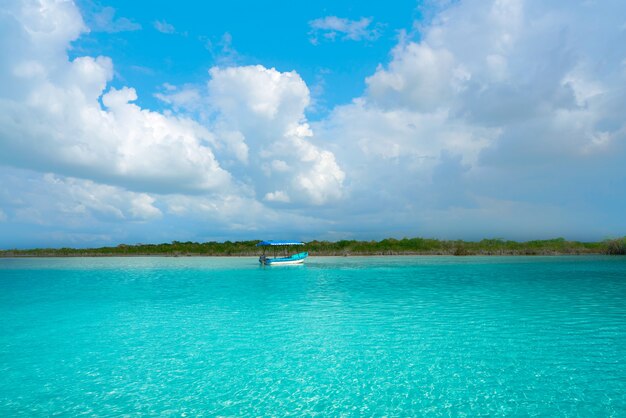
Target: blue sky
151,122
199,35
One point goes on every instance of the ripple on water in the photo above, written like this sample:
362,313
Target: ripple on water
403,336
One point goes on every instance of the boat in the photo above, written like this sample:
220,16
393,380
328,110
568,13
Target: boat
285,259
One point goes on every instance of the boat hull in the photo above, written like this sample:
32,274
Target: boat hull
284,261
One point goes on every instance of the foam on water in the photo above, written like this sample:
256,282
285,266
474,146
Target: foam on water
399,336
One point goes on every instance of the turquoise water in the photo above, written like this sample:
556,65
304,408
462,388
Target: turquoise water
394,336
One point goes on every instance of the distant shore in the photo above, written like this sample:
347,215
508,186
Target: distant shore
6,256
386,247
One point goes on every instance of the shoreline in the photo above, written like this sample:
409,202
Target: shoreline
546,254
344,248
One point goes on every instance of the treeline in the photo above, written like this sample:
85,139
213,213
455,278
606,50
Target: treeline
390,246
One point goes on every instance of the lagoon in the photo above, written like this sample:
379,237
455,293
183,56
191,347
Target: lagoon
339,336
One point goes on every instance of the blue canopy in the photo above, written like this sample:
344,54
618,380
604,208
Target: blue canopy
278,243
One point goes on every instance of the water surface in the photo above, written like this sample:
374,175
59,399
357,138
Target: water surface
355,336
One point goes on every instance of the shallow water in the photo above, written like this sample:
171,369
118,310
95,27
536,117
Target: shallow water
356,336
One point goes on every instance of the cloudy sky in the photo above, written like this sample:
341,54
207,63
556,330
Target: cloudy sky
125,123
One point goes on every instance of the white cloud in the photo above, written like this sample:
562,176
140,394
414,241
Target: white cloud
499,117
277,196
261,133
164,27
51,118
53,200
263,110
3,216
115,162
419,77
259,95
508,89
331,27
142,207
187,98
70,211
81,197
104,21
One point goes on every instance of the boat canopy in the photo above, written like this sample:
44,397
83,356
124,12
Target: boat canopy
278,243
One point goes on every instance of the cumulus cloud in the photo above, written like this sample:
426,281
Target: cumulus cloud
277,196
512,92
114,159
53,200
261,117
500,118
419,77
331,27
51,118
78,197
70,211
261,134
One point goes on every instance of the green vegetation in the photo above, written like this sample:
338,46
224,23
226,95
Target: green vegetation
390,246
616,247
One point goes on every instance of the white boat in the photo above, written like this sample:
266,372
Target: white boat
285,259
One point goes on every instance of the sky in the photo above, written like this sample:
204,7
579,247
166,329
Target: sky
148,122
